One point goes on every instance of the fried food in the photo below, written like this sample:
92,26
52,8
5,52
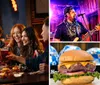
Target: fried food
16,69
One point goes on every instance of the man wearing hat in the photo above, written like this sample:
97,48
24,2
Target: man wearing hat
70,28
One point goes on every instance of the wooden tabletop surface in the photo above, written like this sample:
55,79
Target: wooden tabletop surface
26,79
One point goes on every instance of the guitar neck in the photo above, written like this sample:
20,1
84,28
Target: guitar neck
88,34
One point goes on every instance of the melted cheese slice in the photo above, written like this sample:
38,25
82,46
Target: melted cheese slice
71,63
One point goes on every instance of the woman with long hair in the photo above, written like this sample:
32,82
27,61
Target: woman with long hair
15,43
29,50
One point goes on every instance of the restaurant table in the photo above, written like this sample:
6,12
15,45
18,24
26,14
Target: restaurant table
26,79
95,82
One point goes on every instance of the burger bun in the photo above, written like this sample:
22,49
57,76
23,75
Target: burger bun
75,55
78,80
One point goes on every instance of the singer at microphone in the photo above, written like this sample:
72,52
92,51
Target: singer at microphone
70,28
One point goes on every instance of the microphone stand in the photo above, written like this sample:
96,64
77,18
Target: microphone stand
86,27
84,21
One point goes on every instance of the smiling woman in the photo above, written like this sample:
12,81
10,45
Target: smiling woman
15,41
28,50
30,42
25,38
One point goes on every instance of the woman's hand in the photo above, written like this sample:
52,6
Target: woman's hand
11,56
43,67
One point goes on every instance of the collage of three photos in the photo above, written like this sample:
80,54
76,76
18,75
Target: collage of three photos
50,42
74,42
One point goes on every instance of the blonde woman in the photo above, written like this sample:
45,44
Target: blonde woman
15,41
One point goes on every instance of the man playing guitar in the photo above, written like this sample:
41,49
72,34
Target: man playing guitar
70,28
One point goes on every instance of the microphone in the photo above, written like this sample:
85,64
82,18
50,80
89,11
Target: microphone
80,14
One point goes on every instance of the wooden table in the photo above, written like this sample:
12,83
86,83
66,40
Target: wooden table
26,79
95,82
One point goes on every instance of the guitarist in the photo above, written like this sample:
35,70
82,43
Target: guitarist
70,28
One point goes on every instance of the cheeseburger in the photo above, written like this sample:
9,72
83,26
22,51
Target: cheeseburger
76,67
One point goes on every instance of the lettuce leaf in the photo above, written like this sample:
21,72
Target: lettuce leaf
58,76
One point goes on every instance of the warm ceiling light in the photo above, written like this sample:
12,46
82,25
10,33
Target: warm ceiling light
14,5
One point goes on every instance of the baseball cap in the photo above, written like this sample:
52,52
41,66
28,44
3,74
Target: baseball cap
67,9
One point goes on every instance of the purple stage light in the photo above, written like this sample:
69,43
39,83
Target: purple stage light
56,13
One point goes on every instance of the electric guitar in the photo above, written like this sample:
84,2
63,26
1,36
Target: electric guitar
97,28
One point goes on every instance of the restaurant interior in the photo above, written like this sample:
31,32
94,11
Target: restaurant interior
29,13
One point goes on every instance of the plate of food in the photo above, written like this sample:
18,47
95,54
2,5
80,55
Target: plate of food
6,76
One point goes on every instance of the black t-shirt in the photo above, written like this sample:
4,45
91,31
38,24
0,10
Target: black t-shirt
69,31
